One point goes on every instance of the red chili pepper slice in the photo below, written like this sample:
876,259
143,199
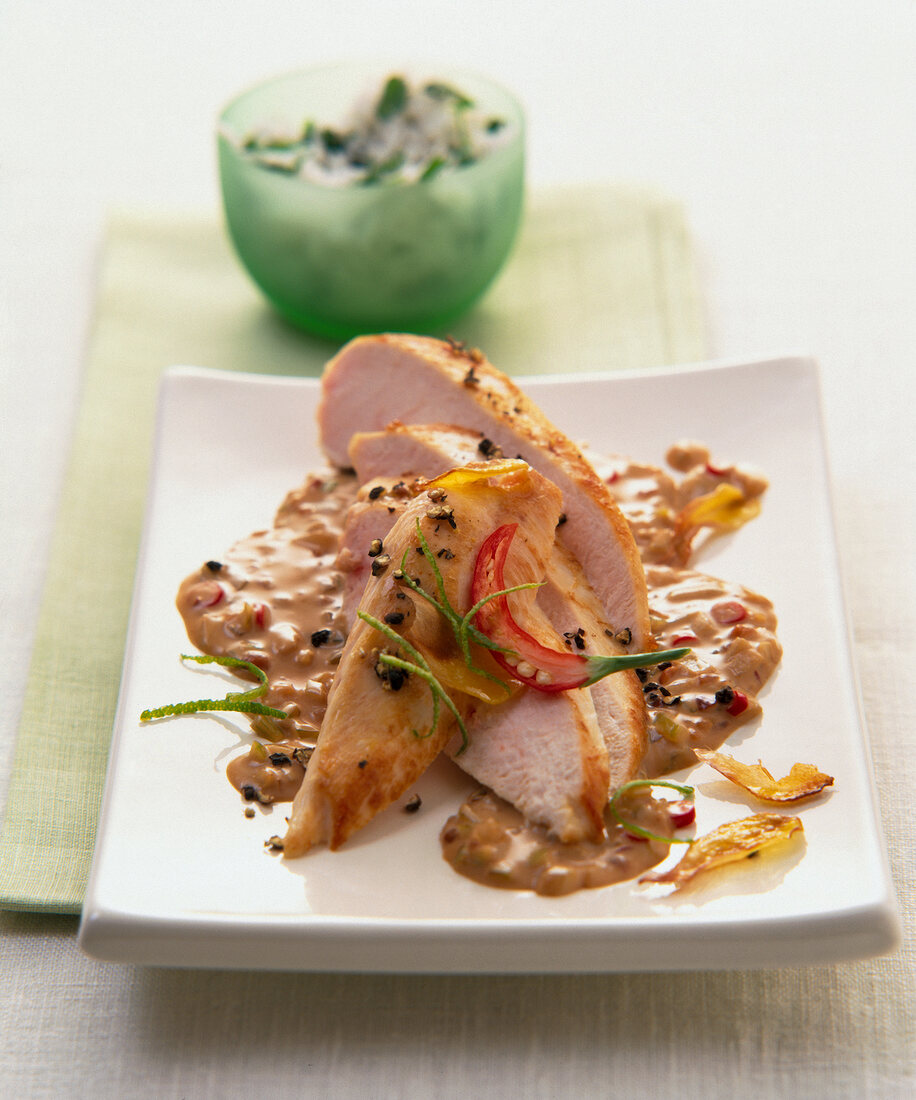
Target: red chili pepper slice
534,664
738,704
682,813
728,611
209,595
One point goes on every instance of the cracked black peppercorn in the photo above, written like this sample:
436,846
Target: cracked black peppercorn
442,511
393,678
380,564
489,449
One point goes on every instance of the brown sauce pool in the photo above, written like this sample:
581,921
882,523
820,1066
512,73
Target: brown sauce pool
276,599
489,841
269,773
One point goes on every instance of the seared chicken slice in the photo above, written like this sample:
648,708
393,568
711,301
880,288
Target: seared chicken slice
409,450
620,707
405,450
369,519
375,380
387,466
568,600
543,753
376,741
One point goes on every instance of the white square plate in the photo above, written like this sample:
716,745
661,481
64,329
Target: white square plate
181,877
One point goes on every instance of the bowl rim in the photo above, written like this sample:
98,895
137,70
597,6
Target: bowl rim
373,67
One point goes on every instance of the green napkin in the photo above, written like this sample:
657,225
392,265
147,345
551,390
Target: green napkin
602,278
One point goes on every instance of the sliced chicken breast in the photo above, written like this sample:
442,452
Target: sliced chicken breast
544,754
404,450
369,519
374,743
620,707
410,448
375,380
568,600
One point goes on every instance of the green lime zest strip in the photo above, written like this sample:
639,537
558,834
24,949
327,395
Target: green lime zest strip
637,830
420,668
599,667
242,701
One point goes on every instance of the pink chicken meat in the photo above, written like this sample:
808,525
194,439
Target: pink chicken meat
377,380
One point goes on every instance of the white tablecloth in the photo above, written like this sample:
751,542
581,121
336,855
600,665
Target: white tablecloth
788,131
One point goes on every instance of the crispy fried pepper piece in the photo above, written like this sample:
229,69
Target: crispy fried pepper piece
803,781
729,843
725,508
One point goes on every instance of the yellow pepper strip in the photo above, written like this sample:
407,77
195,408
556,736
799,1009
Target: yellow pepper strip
726,506
803,781
462,476
731,842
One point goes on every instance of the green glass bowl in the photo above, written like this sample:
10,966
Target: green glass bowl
396,256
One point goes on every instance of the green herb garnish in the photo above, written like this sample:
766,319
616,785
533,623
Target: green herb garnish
393,98
332,140
637,830
384,167
438,90
435,165
243,701
309,133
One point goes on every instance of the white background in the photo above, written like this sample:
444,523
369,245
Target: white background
787,129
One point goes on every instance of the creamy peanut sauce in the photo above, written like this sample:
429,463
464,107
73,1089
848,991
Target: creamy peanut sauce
271,773
489,841
277,599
